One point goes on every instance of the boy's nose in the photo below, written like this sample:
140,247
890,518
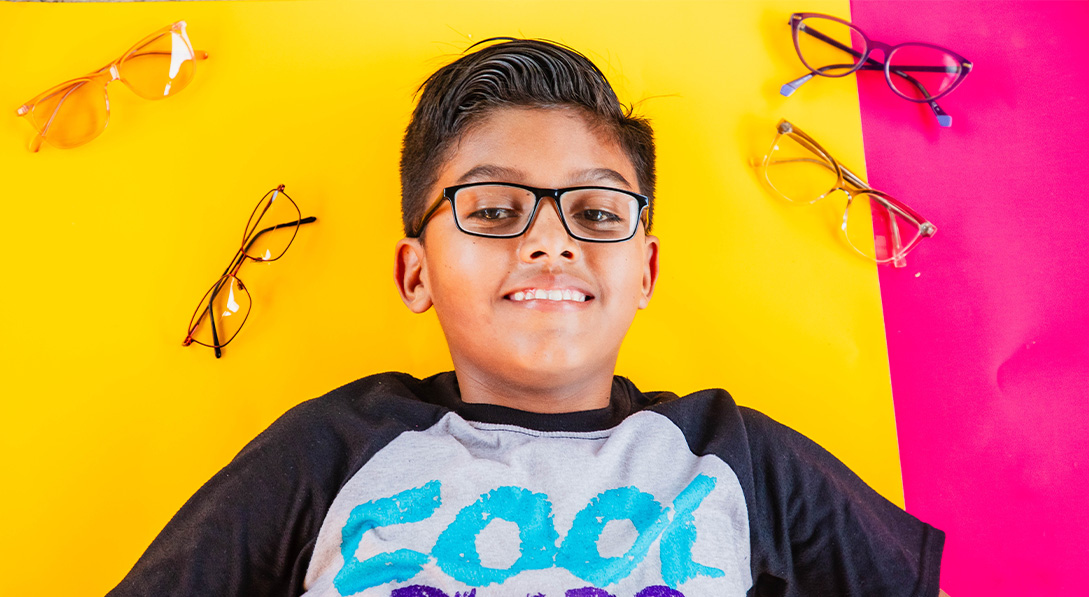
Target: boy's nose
546,238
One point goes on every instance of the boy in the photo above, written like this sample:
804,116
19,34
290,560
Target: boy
531,469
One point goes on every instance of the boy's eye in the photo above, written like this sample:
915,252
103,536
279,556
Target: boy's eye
493,213
600,212
599,216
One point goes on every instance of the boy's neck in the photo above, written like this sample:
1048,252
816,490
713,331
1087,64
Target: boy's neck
588,394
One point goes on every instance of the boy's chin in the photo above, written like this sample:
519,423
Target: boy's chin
543,370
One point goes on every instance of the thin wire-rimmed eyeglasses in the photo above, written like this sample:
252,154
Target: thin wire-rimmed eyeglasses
877,225
78,110
226,306
917,72
506,210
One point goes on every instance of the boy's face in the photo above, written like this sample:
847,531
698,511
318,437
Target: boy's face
535,343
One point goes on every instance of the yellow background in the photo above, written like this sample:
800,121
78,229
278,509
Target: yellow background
108,424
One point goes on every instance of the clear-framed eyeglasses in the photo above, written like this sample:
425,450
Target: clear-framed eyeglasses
877,225
506,210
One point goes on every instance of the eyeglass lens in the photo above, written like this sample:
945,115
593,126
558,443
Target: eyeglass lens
930,71
223,310
876,230
799,173
266,238
72,113
160,67
825,45
500,210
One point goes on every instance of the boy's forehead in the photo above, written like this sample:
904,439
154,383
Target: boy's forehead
542,146
488,172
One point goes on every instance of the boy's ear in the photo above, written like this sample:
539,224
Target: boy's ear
408,272
650,270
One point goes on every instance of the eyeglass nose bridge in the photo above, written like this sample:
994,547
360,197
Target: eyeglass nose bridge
878,46
834,190
539,197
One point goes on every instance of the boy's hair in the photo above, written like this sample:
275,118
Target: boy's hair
526,73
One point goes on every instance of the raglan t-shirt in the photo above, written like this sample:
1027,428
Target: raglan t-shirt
391,486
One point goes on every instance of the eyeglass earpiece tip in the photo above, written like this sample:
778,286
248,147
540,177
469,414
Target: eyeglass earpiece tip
945,120
787,90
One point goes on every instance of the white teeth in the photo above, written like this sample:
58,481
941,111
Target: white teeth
548,295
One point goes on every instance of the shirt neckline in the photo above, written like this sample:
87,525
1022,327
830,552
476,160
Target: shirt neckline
624,399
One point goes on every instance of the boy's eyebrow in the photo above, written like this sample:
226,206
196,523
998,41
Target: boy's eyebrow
603,175
492,172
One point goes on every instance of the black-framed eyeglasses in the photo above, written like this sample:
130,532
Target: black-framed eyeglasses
506,210
225,308
917,72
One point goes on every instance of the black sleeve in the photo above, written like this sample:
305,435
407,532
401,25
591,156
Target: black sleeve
251,529
818,529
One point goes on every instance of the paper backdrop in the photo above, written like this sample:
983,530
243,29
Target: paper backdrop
108,424
988,329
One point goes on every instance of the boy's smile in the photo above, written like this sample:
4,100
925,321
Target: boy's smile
533,322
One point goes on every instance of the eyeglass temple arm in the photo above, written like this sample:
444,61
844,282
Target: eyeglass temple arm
212,320
253,238
944,119
427,215
197,54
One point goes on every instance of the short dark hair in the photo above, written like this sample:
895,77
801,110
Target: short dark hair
526,73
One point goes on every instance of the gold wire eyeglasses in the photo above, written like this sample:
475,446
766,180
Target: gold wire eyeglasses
225,308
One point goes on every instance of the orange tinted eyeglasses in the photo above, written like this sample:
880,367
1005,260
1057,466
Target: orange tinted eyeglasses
78,110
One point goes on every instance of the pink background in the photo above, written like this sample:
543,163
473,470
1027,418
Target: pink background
987,326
